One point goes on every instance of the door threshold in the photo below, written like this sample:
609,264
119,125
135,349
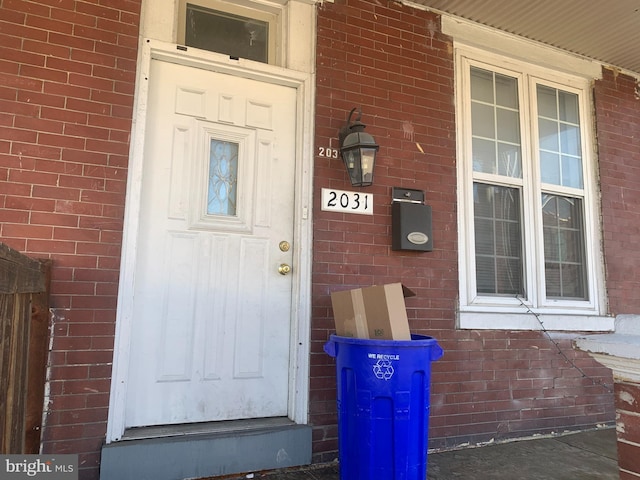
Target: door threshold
204,450
206,428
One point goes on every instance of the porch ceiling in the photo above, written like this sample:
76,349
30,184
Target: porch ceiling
605,30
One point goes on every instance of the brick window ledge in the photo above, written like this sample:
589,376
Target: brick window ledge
620,351
528,321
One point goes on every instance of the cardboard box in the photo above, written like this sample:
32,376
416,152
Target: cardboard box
376,312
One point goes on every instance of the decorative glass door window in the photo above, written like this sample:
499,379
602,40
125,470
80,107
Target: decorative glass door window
225,168
223,178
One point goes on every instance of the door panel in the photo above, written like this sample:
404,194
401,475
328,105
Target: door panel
212,315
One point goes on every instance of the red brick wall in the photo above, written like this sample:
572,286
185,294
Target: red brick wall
617,99
66,94
393,61
627,400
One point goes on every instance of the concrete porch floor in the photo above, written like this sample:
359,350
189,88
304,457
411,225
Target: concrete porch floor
589,455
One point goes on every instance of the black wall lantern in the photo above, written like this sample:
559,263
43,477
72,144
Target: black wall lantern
358,150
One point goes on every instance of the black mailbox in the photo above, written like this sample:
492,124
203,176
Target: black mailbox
410,221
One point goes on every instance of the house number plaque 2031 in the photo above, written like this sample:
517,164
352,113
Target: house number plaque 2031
347,202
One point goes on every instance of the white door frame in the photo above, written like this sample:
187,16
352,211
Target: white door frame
302,234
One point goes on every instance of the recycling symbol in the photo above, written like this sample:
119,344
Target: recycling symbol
383,369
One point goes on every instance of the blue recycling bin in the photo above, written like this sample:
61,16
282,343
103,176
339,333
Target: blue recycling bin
383,406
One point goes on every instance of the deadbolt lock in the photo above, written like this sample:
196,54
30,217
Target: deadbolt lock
284,246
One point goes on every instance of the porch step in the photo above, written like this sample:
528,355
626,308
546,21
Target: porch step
179,452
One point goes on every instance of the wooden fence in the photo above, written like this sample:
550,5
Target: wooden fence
24,332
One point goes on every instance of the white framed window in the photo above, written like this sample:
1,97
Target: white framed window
530,249
240,29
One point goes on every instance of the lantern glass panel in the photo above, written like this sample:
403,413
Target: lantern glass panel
368,156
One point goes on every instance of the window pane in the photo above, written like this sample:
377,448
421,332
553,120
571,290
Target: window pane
564,253
547,102
482,85
484,155
495,124
573,281
548,132
509,160
550,167
506,91
483,120
508,125
568,107
509,275
559,135
485,275
572,240
498,240
572,172
570,139
485,243
227,33
223,178
551,245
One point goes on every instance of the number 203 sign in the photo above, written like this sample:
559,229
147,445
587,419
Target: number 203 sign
347,202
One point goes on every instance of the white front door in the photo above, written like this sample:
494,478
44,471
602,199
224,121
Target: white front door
211,322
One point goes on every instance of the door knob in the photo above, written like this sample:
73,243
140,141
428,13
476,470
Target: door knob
284,269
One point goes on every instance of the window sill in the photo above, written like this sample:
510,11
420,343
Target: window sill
529,321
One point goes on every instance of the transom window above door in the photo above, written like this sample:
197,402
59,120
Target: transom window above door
237,29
